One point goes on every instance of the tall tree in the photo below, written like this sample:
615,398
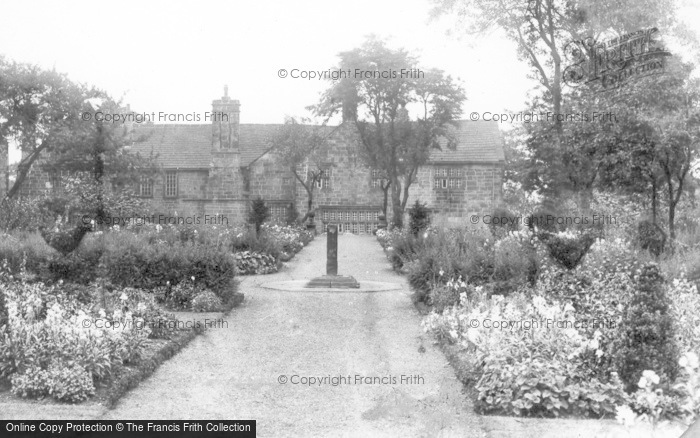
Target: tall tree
39,111
52,121
293,146
542,31
658,137
382,87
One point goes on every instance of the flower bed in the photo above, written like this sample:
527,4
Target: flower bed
73,342
248,263
563,324
94,321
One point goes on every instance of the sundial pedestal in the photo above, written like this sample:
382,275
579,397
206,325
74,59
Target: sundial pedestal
332,280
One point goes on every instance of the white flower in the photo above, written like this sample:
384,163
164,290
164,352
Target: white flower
441,272
651,376
625,415
123,296
192,277
102,313
642,382
689,360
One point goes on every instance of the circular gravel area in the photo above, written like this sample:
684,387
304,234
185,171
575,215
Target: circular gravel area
300,286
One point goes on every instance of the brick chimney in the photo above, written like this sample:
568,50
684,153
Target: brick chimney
225,123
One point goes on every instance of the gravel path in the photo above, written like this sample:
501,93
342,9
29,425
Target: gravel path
233,372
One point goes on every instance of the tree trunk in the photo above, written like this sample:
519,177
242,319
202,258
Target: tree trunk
396,210
385,203
584,200
309,203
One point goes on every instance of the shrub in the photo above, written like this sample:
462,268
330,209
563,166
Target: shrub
250,241
292,214
447,295
20,214
181,295
647,340
76,267
651,237
207,301
419,218
34,382
70,383
287,239
67,383
567,249
685,302
132,263
258,214
608,256
248,262
451,254
27,248
514,259
405,247
503,222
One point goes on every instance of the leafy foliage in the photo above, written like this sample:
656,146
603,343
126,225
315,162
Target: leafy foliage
503,222
259,213
207,301
651,237
568,250
248,263
419,218
527,357
391,142
295,145
647,340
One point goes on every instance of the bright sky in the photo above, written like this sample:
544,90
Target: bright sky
175,57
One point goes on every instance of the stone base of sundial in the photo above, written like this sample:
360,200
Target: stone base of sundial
334,282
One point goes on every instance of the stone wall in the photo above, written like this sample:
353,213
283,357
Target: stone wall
36,182
271,181
349,182
458,190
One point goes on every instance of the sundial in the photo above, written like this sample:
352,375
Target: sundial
332,279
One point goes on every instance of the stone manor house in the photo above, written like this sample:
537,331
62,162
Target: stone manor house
218,168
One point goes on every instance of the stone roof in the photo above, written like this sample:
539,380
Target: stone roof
477,142
188,146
